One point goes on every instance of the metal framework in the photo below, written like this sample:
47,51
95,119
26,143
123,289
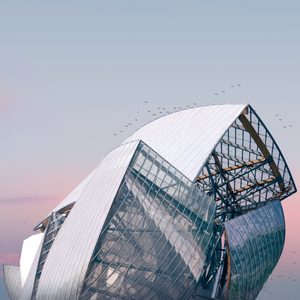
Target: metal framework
245,171
156,237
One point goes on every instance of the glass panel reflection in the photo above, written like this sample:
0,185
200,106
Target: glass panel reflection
156,237
255,241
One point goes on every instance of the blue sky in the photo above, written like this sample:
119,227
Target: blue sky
72,73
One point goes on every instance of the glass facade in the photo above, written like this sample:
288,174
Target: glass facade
156,237
246,169
255,242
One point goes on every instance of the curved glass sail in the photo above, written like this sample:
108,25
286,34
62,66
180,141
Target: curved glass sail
156,237
255,242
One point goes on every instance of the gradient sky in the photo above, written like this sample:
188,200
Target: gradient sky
74,72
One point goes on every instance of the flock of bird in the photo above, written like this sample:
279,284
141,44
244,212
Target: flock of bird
279,118
162,111
156,112
223,92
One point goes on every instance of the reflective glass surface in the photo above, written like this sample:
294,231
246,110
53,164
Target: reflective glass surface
255,242
156,237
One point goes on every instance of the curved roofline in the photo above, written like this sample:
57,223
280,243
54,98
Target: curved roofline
177,111
186,137
207,158
72,196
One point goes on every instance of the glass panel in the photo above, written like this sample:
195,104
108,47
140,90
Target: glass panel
255,242
156,237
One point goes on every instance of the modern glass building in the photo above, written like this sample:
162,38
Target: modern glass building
187,207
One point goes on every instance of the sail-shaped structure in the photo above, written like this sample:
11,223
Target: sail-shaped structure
187,207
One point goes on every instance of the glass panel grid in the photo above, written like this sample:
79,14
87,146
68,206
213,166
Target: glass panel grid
256,241
156,237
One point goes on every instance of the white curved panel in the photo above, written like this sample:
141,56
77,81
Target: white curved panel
186,138
29,250
27,289
67,262
13,281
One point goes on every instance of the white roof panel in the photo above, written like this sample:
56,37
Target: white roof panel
13,281
187,137
84,223
184,138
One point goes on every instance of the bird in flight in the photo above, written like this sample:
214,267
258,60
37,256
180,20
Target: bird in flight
216,94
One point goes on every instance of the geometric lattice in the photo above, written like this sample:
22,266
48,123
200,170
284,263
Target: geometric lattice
246,169
255,242
156,237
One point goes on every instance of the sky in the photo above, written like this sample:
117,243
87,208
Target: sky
73,73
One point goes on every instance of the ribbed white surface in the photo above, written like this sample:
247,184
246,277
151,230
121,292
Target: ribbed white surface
69,256
186,138
13,281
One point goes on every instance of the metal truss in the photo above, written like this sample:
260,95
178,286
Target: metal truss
246,169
